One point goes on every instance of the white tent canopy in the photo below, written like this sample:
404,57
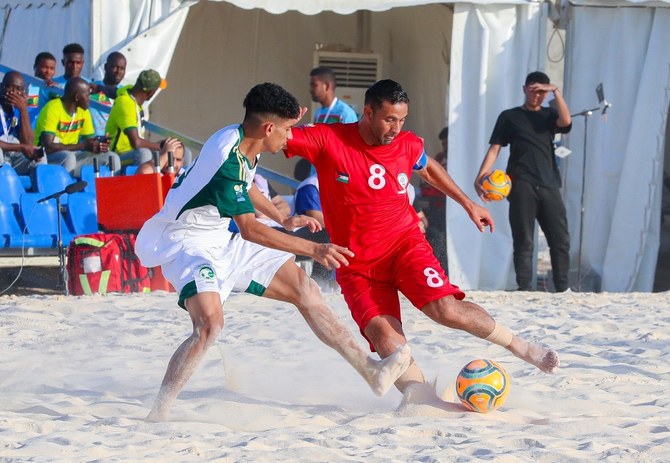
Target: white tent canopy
493,44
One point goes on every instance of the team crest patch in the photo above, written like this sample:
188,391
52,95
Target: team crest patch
403,180
342,177
205,278
239,196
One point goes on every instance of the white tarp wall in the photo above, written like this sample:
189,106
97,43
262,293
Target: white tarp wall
625,48
493,48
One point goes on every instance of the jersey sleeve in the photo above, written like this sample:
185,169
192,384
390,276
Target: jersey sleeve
46,122
500,135
422,161
307,199
306,142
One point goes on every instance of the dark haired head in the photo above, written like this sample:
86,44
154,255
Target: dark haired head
537,77
324,74
267,100
73,48
41,56
114,56
444,133
385,90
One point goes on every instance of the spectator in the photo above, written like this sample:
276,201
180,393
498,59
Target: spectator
322,88
73,63
106,89
125,125
16,141
169,145
529,129
65,130
38,95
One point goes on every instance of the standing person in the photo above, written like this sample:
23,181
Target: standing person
65,130
322,85
189,239
16,136
364,171
536,181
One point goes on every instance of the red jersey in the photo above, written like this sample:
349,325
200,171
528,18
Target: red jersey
363,188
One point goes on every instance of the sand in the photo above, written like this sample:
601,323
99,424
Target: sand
79,374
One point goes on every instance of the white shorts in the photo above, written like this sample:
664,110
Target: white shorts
241,266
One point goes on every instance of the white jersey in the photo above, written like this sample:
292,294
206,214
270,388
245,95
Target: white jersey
201,203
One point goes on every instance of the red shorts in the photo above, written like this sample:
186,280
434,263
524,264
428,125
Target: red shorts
411,268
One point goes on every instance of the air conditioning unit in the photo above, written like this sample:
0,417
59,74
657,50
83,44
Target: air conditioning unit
354,72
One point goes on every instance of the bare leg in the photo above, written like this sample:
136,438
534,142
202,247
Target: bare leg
207,317
291,284
475,320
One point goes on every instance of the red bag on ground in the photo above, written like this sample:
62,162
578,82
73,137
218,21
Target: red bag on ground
105,263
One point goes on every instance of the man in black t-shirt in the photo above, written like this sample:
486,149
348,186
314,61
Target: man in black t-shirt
529,130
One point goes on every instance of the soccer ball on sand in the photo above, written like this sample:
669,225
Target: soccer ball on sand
482,385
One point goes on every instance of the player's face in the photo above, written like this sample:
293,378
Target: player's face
385,123
317,89
46,69
73,64
178,158
279,135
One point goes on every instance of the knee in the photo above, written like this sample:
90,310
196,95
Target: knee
142,155
444,311
306,291
207,329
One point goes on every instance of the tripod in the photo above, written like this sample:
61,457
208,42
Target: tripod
586,114
62,271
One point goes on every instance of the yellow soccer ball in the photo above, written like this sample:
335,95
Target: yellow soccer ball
497,185
482,385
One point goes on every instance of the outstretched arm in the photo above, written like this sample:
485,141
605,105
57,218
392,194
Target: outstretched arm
435,174
485,169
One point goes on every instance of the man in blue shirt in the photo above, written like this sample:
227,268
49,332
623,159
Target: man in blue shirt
16,133
322,88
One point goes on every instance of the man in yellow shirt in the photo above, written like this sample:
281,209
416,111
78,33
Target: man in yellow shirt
65,130
125,125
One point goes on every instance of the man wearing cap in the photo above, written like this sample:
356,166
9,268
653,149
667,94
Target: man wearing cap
126,119
536,181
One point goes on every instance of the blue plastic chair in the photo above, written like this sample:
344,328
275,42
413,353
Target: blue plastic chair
82,212
52,178
88,175
41,221
130,170
11,187
9,227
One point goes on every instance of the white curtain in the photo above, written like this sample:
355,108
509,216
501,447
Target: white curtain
493,48
627,50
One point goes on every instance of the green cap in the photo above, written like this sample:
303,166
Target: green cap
150,80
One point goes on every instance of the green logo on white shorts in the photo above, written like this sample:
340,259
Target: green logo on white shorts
206,272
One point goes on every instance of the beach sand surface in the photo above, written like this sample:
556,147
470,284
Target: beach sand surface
78,375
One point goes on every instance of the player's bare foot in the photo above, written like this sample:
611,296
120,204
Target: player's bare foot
545,359
381,374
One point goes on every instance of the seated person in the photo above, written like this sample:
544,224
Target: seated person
125,125
38,95
65,130
16,138
172,145
107,88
